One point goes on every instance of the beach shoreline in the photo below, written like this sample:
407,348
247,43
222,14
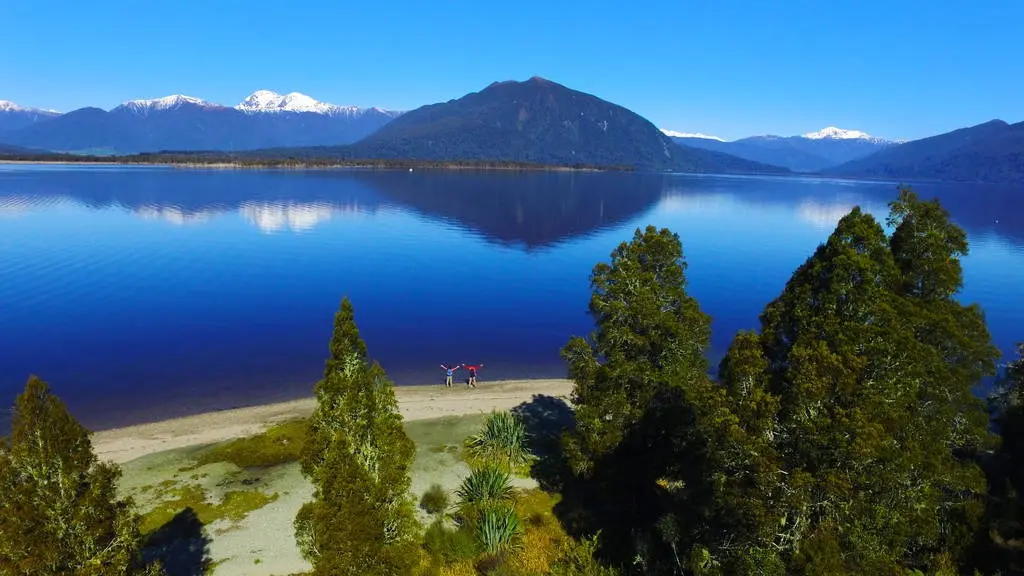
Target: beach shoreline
422,402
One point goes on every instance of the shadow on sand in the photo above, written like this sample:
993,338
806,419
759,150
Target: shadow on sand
181,545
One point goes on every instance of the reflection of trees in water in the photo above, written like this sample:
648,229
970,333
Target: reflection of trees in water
530,209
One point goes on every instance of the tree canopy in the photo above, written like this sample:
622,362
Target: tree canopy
361,519
843,438
59,513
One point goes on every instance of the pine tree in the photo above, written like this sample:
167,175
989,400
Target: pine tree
651,335
59,513
865,394
362,519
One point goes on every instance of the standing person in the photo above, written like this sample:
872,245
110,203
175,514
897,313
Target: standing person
449,373
472,373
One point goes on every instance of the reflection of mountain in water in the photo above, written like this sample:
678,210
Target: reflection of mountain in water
527,209
979,209
532,209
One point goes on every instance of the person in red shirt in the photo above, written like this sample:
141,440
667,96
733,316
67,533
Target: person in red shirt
472,373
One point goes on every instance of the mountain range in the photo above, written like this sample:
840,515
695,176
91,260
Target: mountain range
535,121
807,153
264,119
990,152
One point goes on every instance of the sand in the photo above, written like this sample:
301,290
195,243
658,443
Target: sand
122,445
163,455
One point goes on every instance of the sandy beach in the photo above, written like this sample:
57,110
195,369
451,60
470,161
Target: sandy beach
415,402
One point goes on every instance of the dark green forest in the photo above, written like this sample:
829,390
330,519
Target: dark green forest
843,437
290,158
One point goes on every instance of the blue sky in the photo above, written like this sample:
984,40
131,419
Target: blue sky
733,68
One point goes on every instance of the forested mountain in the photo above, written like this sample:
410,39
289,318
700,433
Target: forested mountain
539,121
989,152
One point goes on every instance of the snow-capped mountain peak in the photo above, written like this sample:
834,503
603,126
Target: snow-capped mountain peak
8,106
269,101
834,133
675,134
166,103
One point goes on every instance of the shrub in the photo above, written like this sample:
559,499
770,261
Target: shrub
501,441
450,544
485,486
577,559
498,529
434,500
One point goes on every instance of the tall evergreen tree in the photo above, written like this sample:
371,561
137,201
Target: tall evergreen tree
59,512
361,519
651,335
872,362
644,401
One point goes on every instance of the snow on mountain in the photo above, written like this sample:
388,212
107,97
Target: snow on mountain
674,134
269,101
166,103
833,133
8,106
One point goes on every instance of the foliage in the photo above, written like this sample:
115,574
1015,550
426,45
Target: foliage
502,442
450,545
434,500
1005,523
280,444
862,387
59,513
842,439
361,520
650,335
485,486
498,528
578,559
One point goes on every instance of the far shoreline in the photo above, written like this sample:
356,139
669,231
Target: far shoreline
286,164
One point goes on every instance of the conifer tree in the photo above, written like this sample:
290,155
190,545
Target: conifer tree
59,512
871,362
361,519
651,336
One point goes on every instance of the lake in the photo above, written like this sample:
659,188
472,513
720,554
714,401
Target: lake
143,293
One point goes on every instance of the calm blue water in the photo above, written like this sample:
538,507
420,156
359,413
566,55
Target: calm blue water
147,292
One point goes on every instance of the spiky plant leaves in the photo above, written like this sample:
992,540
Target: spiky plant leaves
501,442
498,529
485,486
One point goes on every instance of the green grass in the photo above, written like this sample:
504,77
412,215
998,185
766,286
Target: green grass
445,434
235,506
280,444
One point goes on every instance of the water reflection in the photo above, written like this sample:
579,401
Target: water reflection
530,210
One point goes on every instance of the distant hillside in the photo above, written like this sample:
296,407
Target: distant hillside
15,117
7,149
538,121
807,153
263,120
990,152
